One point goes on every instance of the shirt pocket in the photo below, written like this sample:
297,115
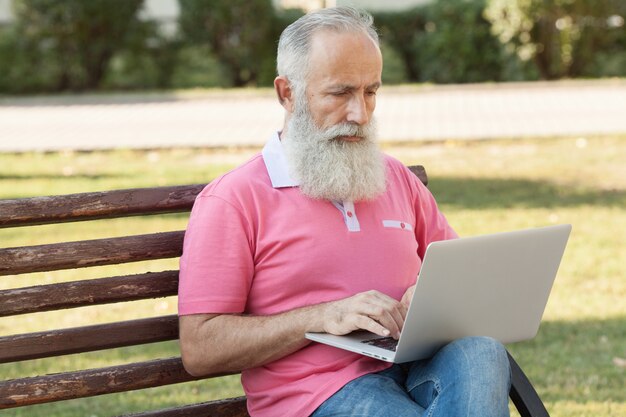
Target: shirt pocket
398,224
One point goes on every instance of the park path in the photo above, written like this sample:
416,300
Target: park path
247,117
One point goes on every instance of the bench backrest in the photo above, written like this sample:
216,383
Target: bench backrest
105,290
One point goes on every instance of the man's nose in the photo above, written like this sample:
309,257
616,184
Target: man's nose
357,110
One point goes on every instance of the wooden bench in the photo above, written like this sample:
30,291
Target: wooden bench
74,384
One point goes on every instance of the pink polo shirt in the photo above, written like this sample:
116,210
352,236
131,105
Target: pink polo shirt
256,245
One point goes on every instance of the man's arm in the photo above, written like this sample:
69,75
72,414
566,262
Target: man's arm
215,343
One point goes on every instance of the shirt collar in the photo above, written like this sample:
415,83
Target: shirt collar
276,163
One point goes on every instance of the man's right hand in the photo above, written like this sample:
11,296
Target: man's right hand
371,310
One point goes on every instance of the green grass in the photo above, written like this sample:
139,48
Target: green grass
482,187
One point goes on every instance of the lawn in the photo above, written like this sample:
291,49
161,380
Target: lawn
577,360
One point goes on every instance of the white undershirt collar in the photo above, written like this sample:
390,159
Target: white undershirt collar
276,163
278,170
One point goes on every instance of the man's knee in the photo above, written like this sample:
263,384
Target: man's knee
469,376
483,359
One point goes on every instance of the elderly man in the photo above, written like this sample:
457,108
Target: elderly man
307,236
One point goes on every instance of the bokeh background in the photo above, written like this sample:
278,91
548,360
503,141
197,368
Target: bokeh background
517,108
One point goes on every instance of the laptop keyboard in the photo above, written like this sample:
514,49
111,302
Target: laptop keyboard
388,343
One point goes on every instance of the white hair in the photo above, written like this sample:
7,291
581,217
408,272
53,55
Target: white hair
294,46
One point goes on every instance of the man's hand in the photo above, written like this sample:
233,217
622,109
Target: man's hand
408,296
371,310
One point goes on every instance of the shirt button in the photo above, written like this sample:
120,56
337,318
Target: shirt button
402,225
349,214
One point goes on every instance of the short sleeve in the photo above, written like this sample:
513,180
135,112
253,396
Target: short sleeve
216,267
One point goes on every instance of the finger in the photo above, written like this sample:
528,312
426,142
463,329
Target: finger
371,325
396,309
388,312
371,310
394,315
355,321
347,315
408,296
393,321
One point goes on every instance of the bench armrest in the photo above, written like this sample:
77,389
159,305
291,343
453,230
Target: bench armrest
523,393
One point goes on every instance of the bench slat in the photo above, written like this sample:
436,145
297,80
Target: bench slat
87,253
232,407
89,292
92,382
88,338
97,205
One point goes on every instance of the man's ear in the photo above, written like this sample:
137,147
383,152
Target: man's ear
285,93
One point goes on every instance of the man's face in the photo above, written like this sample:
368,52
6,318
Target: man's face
344,77
329,138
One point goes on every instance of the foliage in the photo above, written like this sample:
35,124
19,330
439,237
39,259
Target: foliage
237,31
447,41
71,42
148,59
394,69
564,38
398,31
197,67
16,65
76,45
456,45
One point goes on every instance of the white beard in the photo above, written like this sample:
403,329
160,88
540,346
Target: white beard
329,168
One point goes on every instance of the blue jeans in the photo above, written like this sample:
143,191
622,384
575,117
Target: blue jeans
468,377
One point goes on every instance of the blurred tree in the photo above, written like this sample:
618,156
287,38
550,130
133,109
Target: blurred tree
147,59
398,31
237,31
562,37
456,45
445,41
79,37
394,68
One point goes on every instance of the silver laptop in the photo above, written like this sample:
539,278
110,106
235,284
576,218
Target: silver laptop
493,285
